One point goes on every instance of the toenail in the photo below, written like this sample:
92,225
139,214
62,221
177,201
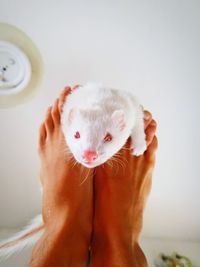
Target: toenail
67,88
48,110
56,102
153,123
146,116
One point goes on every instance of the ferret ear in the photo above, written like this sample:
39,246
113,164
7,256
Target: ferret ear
71,115
118,118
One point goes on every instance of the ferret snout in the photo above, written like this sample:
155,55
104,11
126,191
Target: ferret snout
89,156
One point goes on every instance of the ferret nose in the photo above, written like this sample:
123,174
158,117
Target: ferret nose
89,156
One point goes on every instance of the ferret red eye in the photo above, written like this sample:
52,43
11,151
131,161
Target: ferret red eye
108,137
77,135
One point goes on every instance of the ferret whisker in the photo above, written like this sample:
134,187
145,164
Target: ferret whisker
116,170
119,156
67,152
110,163
72,163
87,175
75,163
66,149
125,148
69,158
120,162
125,161
117,166
115,160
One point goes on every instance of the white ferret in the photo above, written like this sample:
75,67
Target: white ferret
96,123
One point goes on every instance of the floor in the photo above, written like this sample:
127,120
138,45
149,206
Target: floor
151,246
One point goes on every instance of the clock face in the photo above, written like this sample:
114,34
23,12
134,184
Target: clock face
15,69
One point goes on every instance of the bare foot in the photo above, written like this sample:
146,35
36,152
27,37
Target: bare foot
119,204
67,202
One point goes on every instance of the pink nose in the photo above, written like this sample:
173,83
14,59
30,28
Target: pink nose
89,156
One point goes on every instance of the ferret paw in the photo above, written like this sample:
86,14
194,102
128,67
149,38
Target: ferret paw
139,149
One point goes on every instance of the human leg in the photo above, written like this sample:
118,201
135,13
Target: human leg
67,203
119,204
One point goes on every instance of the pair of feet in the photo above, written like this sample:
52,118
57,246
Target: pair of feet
105,211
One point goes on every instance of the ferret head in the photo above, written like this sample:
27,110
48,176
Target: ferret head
92,136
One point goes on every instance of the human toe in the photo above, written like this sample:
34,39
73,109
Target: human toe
150,132
42,136
66,91
55,113
49,124
151,150
147,118
75,87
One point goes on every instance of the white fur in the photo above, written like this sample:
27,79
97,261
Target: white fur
93,110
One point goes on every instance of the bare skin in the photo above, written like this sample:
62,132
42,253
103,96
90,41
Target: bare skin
120,198
67,202
67,206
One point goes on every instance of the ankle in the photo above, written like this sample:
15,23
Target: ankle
112,250
58,246
139,256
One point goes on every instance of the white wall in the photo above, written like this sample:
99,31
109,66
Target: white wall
151,47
